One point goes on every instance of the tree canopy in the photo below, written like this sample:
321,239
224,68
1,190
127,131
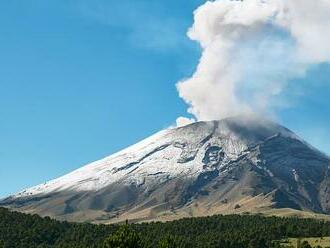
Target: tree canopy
19,230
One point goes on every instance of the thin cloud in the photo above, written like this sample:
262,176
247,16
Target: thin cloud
145,23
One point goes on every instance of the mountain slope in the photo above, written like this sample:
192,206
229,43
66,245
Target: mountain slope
228,166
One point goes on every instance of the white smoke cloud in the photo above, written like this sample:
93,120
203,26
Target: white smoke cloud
251,50
183,121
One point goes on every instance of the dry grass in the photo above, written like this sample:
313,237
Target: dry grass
260,204
248,205
314,242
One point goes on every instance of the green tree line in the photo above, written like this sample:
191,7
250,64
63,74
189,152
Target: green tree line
232,231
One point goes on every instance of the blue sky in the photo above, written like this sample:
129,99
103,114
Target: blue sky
83,79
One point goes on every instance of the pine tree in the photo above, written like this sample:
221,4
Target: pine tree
125,237
168,242
305,244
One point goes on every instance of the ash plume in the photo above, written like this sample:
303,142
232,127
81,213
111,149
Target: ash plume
251,51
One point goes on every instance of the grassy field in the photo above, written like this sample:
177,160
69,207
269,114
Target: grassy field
314,242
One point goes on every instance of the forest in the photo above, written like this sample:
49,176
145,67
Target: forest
232,231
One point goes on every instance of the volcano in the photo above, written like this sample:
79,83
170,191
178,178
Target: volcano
235,165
